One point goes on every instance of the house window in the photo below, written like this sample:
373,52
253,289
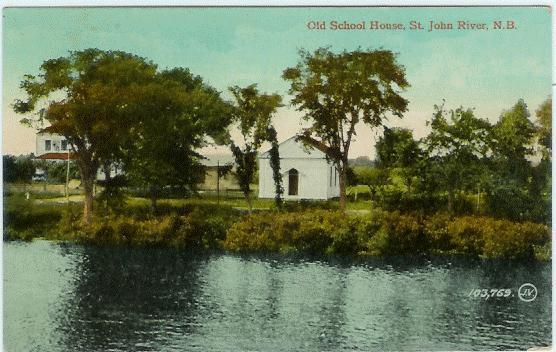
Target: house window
48,145
335,177
331,172
64,144
293,182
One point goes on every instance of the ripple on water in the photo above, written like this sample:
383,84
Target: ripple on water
62,298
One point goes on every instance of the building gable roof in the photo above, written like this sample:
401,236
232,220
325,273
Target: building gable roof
291,148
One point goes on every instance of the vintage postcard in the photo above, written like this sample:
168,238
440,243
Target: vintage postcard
279,178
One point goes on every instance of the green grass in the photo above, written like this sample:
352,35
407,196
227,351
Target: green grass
232,199
25,219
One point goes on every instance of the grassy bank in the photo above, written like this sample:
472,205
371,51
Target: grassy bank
316,228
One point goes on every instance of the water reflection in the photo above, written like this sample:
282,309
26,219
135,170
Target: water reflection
164,300
125,299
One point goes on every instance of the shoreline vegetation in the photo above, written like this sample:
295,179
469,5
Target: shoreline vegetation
316,228
474,185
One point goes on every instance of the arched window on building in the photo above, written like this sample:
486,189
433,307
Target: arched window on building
293,182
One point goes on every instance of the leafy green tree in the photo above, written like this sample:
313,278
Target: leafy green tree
372,177
89,97
517,187
457,146
512,142
337,91
544,131
57,172
396,149
9,169
181,115
542,175
17,169
253,113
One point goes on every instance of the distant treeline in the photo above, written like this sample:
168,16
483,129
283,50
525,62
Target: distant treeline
22,169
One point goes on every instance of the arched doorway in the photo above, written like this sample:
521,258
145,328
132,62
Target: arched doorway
293,182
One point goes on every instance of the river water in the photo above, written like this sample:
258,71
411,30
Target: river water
60,297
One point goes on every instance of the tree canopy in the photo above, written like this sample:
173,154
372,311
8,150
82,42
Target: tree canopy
253,113
116,107
17,169
544,120
336,91
87,97
396,149
456,145
180,116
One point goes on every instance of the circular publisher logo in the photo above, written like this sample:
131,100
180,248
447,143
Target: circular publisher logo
527,292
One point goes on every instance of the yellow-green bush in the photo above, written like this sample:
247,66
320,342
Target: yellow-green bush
435,231
485,236
467,234
326,232
514,240
398,234
311,230
191,230
316,231
24,219
387,233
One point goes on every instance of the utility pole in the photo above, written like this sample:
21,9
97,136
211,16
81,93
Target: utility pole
67,175
218,182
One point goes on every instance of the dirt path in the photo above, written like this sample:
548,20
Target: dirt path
76,198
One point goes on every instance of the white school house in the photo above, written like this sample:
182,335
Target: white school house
306,173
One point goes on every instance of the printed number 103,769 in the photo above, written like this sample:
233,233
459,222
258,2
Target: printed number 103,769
489,293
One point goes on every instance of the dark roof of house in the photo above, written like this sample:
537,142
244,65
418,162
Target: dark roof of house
55,156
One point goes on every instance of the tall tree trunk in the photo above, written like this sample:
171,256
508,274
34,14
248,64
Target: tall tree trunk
107,177
154,198
249,202
343,178
88,173
450,201
88,185
106,170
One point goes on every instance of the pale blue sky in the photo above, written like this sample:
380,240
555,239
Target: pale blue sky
487,70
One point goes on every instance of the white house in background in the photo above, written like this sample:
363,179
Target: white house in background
55,148
306,173
51,147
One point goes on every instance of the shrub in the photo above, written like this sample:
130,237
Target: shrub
366,227
252,234
386,233
70,221
496,238
329,232
398,234
435,231
514,240
544,252
23,219
194,229
346,239
315,231
318,231
467,234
